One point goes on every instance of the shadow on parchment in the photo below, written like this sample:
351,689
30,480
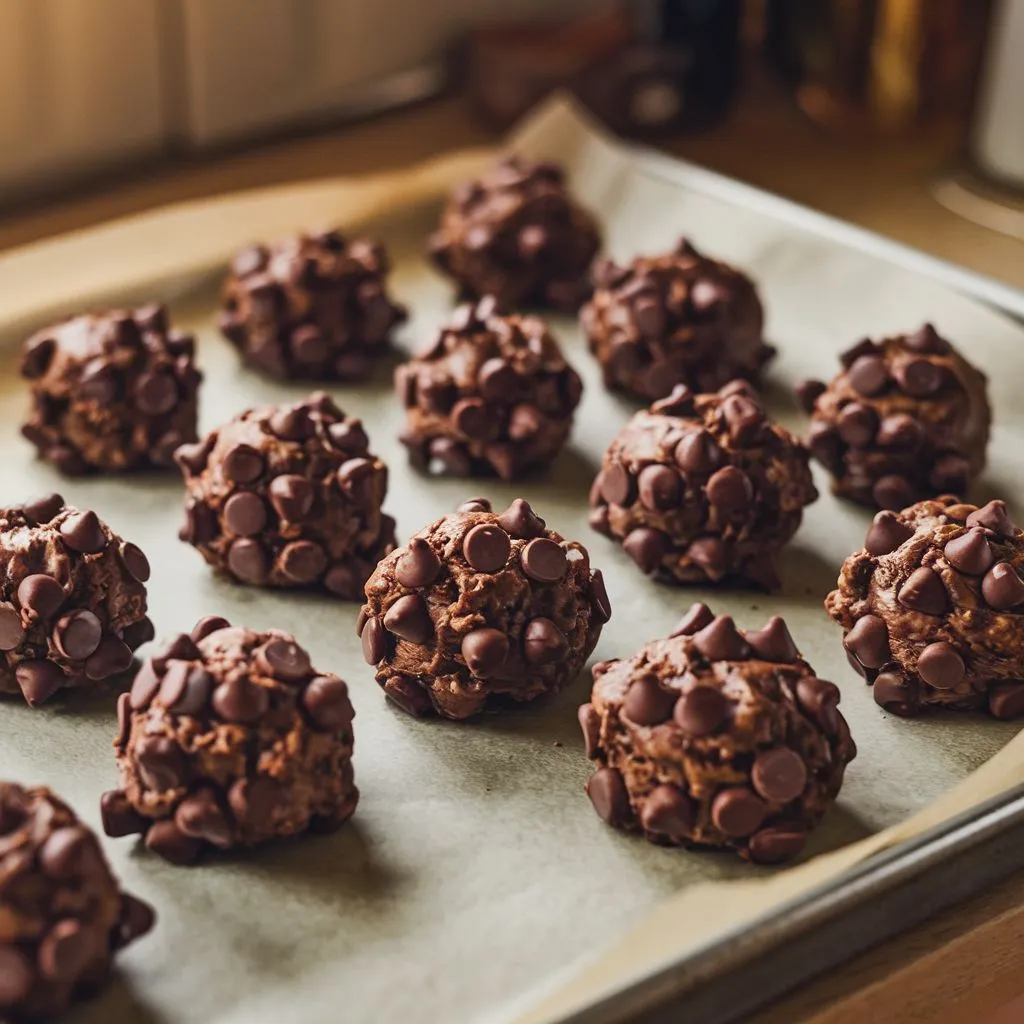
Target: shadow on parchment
116,1001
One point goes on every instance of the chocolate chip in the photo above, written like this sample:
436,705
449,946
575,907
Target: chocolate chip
138,633
160,762
857,424
926,339
119,817
900,431
374,640
941,666
519,520
98,383
110,658
646,547
135,561
136,919
144,686
697,453
729,490
543,560
721,641
919,377
950,473
820,699
208,625
292,497
242,464
679,402
11,630
409,695
709,554
590,725
248,561
485,651
886,534
155,393
418,565
868,641
78,634
924,592
698,616
359,481
617,485
498,381
779,775
737,812
701,711
200,816
302,561
37,356
38,680
290,424
609,796
475,505
896,694
327,703
1002,588
543,642
43,510
808,392
166,840
486,547
349,437
648,702
124,721
893,492
285,660
242,701
409,619
68,852
776,844
186,688
179,648
193,457
773,642
864,347
65,951
970,552
668,811
599,595
1006,700
660,487
868,375
245,514
825,445
994,517
83,533
743,417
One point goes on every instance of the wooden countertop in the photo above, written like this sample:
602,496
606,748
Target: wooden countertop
961,966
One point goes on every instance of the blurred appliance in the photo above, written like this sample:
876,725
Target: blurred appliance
997,136
89,84
882,64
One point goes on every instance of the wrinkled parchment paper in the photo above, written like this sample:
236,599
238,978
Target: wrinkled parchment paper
475,871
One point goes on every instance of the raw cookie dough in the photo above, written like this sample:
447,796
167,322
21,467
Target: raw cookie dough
491,395
288,496
72,600
716,738
229,738
703,488
932,608
907,418
481,611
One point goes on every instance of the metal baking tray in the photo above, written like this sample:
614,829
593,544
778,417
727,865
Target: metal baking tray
475,880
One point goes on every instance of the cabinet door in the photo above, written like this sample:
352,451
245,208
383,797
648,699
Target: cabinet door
79,86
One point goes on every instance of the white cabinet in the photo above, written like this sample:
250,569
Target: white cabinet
80,86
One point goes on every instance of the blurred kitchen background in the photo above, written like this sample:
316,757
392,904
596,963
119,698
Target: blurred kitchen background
904,115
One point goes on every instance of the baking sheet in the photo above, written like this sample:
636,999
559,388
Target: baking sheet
475,869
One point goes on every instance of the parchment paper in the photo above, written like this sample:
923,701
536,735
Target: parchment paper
475,869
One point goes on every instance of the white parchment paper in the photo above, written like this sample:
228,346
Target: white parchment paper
475,870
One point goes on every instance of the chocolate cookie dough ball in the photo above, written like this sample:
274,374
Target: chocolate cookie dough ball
492,394
288,496
678,318
229,738
313,307
908,418
481,611
516,233
72,600
703,488
932,608
111,392
716,738
62,914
